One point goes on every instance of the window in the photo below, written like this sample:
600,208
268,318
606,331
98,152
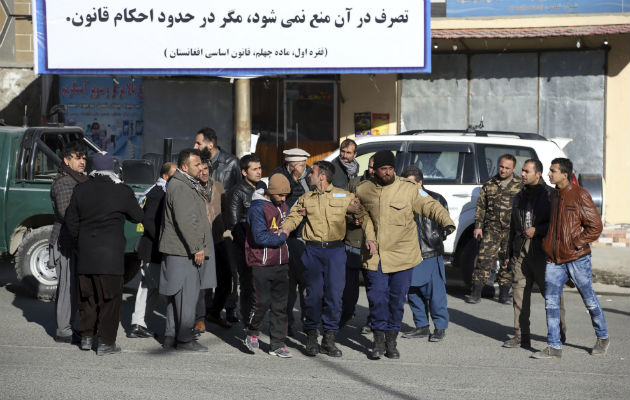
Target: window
443,163
489,158
367,150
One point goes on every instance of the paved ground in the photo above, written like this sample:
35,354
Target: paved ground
469,364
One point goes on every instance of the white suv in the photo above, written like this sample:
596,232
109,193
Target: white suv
455,164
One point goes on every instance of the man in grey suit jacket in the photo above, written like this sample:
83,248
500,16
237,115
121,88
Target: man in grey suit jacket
186,242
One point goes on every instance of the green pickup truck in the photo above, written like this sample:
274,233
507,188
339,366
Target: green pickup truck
29,158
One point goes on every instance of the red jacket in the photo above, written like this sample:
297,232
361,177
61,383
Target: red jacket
574,223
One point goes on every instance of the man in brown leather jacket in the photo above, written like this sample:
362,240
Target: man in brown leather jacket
573,224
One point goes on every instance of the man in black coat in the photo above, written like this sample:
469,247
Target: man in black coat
149,254
526,258
297,172
96,218
224,167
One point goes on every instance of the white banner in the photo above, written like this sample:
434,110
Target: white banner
231,38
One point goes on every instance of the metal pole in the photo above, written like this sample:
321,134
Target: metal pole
167,152
243,117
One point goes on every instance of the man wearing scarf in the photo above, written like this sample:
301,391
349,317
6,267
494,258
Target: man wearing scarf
96,219
186,241
346,165
62,248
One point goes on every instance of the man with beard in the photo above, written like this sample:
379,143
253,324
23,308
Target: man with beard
96,219
62,247
391,236
492,227
528,227
297,172
239,199
186,241
324,212
346,165
224,168
209,304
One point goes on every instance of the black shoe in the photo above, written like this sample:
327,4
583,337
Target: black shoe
437,335
230,315
421,332
328,345
365,329
193,345
475,293
106,349
63,339
86,343
312,347
378,347
169,342
139,331
390,345
504,294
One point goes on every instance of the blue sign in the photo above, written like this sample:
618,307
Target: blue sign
493,8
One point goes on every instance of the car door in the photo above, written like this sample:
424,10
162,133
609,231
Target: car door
450,170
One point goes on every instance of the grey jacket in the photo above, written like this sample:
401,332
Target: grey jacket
185,226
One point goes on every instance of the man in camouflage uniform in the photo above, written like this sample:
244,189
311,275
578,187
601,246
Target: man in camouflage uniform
492,227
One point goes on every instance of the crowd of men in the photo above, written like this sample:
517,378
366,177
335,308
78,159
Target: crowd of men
216,237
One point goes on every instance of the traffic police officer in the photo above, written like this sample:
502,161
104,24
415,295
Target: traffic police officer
324,211
492,226
388,204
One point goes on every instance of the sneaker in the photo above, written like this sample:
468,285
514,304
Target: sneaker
601,347
251,341
281,352
548,352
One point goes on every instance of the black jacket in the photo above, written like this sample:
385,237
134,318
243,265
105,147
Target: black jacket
539,196
239,198
96,219
149,243
431,233
225,169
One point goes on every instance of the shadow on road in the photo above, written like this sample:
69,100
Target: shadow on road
482,326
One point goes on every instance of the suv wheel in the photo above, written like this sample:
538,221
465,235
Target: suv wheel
31,264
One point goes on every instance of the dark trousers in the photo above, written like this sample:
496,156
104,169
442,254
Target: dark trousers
270,285
296,277
212,302
351,290
232,297
428,293
386,295
325,276
99,306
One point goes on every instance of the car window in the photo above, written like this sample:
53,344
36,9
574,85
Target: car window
489,155
367,150
443,163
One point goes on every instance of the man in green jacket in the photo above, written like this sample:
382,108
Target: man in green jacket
391,236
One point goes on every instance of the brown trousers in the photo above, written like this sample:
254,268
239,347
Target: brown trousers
528,268
99,306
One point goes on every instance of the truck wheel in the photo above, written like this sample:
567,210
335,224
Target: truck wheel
31,264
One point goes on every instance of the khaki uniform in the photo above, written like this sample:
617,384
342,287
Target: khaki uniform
325,214
494,211
388,220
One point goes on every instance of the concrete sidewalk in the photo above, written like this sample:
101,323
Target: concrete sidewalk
611,265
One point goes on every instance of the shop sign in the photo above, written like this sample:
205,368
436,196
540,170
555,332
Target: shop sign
109,111
241,37
493,8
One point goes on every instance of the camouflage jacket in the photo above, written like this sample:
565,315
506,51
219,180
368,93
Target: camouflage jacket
494,204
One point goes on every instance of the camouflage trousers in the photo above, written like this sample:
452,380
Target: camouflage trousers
493,247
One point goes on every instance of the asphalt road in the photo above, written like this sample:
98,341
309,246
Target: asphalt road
468,364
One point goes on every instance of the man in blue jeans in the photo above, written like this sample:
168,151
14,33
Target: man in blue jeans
573,224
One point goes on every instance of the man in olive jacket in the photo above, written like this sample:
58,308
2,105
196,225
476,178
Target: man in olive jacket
186,241
390,232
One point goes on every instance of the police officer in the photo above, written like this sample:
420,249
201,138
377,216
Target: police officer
389,204
492,226
324,211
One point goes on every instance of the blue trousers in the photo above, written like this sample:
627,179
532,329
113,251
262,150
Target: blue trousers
325,279
428,293
386,294
556,275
